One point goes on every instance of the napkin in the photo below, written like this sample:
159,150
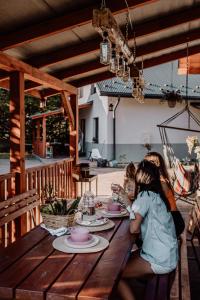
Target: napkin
58,232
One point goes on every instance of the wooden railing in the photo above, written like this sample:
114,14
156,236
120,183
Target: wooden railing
58,175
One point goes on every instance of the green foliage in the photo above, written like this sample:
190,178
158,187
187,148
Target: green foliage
56,125
60,207
57,206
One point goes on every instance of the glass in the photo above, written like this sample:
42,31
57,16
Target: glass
115,187
126,74
113,61
88,207
120,67
105,50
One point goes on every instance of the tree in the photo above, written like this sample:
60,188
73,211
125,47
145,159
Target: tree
56,125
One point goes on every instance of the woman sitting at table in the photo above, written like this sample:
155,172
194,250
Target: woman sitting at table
150,216
127,192
158,160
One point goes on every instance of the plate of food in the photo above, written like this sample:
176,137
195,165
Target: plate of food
114,213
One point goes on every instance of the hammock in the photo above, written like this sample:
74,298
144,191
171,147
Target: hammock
185,182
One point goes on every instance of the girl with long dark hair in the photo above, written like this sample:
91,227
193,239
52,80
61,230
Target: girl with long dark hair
150,216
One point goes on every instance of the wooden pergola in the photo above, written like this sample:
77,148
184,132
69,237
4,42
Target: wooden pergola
39,139
50,47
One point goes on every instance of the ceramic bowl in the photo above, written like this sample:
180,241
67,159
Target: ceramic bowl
79,234
114,206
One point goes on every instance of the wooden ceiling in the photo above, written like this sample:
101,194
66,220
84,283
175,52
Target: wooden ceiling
58,38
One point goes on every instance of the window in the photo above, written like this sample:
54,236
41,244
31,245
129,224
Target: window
93,89
96,131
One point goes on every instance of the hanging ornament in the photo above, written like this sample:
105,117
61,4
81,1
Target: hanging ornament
105,50
120,67
126,75
113,60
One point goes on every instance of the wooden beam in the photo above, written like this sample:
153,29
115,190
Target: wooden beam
48,114
5,84
17,142
9,63
68,108
193,65
17,129
17,125
147,64
44,137
141,51
143,28
62,23
168,42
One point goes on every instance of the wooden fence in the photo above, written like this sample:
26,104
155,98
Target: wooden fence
58,175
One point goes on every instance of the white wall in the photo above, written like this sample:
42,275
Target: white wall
99,109
135,122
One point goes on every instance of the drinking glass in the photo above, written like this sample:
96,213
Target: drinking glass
115,188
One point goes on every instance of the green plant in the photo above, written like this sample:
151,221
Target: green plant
58,206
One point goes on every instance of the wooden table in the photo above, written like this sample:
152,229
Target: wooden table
32,269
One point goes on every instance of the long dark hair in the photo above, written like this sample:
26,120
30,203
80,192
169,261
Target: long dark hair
147,178
158,160
130,170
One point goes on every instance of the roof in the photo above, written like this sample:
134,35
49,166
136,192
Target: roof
58,38
156,78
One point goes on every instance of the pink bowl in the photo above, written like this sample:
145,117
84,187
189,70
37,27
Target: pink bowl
114,206
79,234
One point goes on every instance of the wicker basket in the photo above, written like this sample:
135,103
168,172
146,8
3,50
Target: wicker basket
56,221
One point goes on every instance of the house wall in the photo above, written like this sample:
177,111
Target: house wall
136,124
99,109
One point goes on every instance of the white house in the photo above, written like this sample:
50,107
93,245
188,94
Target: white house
136,124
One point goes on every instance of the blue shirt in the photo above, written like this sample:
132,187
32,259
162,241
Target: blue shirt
160,246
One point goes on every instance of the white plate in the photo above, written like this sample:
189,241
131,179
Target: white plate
114,214
94,241
60,245
97,222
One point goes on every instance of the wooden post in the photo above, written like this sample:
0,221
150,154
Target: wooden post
17,138
44,137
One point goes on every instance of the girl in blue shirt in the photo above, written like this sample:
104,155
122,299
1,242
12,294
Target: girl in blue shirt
150,216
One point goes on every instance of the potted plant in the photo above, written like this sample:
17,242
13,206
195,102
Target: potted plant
58,212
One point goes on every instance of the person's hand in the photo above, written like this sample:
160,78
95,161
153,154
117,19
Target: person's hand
116,188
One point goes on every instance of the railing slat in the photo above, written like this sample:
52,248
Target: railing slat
58,175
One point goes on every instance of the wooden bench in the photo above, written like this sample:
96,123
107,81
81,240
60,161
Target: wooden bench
13,208
194,229
175,285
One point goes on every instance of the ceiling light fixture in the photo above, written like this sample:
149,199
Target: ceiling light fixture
115,51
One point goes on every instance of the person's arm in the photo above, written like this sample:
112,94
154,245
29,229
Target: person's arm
135,224
169,194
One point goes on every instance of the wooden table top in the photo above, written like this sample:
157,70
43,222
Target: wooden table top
32,269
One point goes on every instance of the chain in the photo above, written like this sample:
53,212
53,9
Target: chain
103,4
127,22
